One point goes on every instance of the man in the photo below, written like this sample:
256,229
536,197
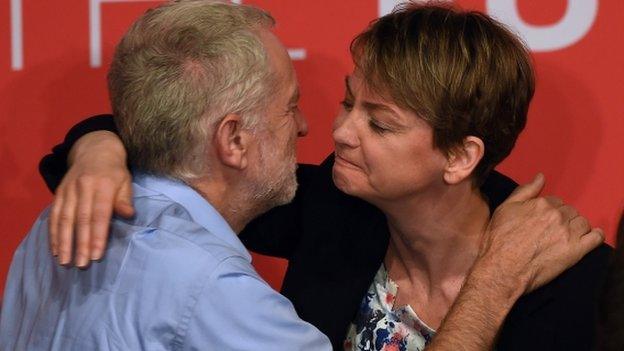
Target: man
205,98
472,323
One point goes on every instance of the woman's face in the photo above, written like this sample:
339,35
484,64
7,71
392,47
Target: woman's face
383,152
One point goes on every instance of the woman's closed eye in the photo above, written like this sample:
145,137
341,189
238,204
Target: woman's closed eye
347,105
377,127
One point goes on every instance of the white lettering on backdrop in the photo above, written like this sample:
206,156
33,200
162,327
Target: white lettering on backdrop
577,21
17,39
95,32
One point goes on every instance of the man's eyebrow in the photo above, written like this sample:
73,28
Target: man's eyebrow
295,96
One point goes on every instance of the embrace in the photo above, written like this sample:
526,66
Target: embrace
405,238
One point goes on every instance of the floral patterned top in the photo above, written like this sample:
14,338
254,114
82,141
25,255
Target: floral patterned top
379,327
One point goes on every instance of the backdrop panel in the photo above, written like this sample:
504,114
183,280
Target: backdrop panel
54,54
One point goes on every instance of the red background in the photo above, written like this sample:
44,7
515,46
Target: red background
574,135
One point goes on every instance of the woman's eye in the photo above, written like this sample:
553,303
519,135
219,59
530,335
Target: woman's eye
375,127
347,105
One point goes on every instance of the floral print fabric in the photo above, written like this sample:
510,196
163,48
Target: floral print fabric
379,327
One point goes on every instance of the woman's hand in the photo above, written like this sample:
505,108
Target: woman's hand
97,183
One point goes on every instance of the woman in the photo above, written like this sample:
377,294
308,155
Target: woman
436,101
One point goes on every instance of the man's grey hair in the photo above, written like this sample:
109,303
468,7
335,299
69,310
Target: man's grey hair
177,72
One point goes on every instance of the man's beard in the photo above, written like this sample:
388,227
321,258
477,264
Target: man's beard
274,183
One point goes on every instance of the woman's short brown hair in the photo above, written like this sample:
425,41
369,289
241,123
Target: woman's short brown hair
461,71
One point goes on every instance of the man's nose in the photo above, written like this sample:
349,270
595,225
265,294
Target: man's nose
302,125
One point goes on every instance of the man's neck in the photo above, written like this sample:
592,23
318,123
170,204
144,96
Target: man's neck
229,200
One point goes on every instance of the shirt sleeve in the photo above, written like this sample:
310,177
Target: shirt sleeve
239,311
53,167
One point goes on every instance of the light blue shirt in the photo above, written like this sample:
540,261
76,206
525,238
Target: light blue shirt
175,277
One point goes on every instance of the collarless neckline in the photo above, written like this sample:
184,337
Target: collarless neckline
387,296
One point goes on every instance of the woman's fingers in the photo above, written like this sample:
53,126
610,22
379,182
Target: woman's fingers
102,214
65,224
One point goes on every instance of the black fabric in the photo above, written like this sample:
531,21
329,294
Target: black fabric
335,243
53,166
611,326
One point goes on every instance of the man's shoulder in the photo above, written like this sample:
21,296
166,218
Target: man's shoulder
149,280
168,229
177,247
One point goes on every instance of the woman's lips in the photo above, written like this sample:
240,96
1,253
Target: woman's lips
345,162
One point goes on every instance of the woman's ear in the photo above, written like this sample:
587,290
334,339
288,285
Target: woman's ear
231,142
463,159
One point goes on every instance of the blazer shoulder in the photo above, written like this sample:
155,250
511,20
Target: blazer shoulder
585,281
594,263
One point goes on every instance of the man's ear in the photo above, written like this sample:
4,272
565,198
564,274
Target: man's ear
463,159
231,142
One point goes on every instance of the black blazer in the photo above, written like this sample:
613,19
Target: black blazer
335,244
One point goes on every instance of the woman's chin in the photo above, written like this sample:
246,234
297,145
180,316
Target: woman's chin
343,180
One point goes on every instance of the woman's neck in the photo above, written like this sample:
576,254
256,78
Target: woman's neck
435,237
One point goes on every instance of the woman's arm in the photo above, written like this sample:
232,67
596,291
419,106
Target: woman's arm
89,175
54,166
91,181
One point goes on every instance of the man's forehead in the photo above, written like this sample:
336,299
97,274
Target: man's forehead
280,62
276,51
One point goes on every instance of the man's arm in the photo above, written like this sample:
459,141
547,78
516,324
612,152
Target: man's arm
476,316
529,242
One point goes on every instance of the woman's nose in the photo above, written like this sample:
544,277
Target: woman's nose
344,132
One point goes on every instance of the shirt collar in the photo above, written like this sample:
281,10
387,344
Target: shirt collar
201,211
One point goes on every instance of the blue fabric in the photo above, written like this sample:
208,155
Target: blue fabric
175,277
